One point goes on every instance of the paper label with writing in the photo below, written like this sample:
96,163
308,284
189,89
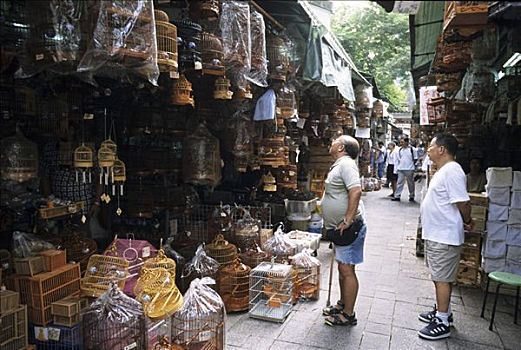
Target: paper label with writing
145,253
130,346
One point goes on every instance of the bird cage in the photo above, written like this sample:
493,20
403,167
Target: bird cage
244,93
205,9
253,257
273,152
270,184
189,43
102,270
280,247
182,92
378,109
212,54
83,159
233,286
222,89
285,103
106,157
278,57
199,325
307,276
221,250
114,322
271,286
200,266
119,176
287,176
201,158
317,184
166,36
246,231
18,158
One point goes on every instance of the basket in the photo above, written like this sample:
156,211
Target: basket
9,300
28,266
53,259
101,270
13,330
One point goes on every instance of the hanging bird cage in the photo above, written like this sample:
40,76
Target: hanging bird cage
18,158
270,184
83,160
278,57
205,9
182,92
199,325
273,152
222,89
271,288
119,176
253,257
106,157
114,322
212,54
102,270
202,158
221,250
189,43
166,34
110,145
378,109
307,276
287,176
242,94
285,103
233,286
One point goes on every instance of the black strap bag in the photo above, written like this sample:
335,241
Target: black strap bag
349,235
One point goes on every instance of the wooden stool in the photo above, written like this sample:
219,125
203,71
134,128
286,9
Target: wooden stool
501,278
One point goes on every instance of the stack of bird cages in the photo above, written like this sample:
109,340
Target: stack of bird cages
13,328
221,250
465,14
212,54
40,291
200,323
307,276
273,152
102,270
114,322
66,312
18,158
166,36
233,286
271,287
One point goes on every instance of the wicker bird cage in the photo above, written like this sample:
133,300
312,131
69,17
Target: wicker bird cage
202,158
83,161
189,43
246,230
287,176
212,54
222,89
106,157
253,257
119,176
102,270
114,322
270,183
166,34
278,57
221,250
285,104
233,286
273,152
307,276
378,109
200,323
271,288
182,92
245,93
205,9
18,158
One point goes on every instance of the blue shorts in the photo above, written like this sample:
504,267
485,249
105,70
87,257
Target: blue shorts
352,254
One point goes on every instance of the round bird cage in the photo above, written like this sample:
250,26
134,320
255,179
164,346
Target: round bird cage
119,171
102,270
233,286
222,89
182,92
18,158
161,261
221,250
106,157
204,9
110,145
278,57
212,54
166,34
253,257
188,42
83,157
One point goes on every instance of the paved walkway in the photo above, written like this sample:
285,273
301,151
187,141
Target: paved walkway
394,287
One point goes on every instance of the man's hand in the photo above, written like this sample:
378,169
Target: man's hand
469,226
344,225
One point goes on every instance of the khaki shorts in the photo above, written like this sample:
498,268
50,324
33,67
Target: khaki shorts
442,260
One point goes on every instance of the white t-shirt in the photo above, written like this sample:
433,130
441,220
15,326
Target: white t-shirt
406,158
441,219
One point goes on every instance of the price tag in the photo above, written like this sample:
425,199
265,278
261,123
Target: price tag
88,116
145,253
40,57
198,66
130,346
174,75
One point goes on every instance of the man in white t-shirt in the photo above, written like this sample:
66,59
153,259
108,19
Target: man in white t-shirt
445,213
405,165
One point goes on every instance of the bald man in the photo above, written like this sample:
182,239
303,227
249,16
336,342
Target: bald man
341,206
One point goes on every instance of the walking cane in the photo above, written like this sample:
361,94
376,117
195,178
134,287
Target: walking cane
328,303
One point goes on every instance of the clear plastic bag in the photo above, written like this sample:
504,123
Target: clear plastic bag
201,264
485,48
235,30
26,245
18,158
364,96
247,231
280,246
258,74
114,322
124,38
243,147
477,85
307,270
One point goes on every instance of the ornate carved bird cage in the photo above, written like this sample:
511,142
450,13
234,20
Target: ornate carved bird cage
270,183
233,286
221,250
166,34
182,92
18,158
222,89
212,54
285,103
273,152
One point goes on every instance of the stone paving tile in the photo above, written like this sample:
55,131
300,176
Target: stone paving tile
372,341
402,339
282,345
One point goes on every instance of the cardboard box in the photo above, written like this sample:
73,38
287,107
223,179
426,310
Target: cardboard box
478,199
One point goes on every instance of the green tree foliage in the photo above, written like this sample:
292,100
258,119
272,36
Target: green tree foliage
378,43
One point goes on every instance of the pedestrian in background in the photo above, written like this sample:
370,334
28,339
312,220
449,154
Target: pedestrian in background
405,165
380,160
445,213
391,174
341,206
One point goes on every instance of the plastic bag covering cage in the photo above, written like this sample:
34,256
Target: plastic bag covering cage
280,246
285,103
221,250
233,286
18,158
253,257
271,287
201,158
212,54
307,281
166,34
114,322
200,266
235,30
102,271
124,36
200,324
247,231
258,74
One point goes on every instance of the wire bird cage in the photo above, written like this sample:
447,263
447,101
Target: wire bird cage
233,286
285,103
273,152
222,89
83,160
189,43
278,57
271,287
182,92
212,54
18,158
307,276
199,325
166,34
205,9
114,322
221,250
102,270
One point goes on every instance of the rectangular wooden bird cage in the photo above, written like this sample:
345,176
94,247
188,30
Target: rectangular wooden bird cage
271,287
13,329
102,270
465,14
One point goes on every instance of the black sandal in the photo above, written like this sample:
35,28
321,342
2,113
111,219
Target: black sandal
341,319
334,309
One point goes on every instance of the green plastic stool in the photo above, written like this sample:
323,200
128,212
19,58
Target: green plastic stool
501,278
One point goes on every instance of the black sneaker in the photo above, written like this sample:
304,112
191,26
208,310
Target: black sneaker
411,200
395,199
435,330
428,316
